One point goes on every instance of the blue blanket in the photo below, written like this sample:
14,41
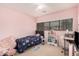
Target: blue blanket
26,42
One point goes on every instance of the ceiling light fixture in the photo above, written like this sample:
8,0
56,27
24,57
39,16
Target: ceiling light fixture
40,6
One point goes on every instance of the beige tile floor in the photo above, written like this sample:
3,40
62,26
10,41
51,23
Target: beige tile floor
43,50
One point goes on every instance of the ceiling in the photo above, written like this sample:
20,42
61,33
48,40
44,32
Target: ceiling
38,9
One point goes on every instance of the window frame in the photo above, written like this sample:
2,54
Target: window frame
60,27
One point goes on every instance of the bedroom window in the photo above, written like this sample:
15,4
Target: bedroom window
47,26
40,26
56,25
66,24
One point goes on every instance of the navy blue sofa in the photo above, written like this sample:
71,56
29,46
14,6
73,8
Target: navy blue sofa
25,42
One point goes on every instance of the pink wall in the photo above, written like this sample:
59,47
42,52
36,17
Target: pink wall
16,23
63,14
78,18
